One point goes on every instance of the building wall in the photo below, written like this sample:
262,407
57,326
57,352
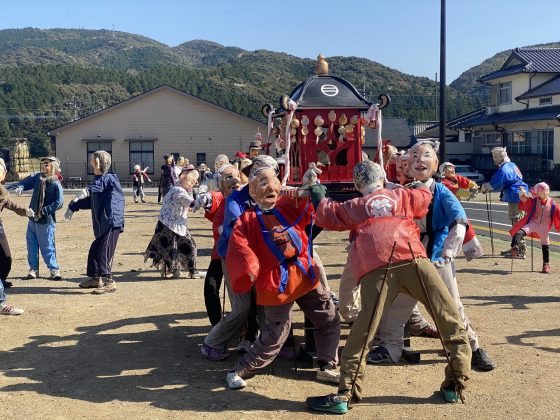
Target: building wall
178,123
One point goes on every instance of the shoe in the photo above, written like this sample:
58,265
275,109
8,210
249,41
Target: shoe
7,284
505,252
135,201
481,361
32,274
91,283
235,381
333,403
176,274
55,274
546,268
379,356
519,256
328,375
196,275
514,251
143,201
450,394
429,332
213,354
243,347
6,309
108,286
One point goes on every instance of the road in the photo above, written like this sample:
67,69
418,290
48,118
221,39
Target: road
478,215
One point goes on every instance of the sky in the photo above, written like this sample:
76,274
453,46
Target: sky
400,34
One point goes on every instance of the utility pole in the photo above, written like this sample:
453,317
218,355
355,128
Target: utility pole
435,101
442,105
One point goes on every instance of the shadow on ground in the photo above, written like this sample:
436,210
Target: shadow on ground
516,301
152,359
525,339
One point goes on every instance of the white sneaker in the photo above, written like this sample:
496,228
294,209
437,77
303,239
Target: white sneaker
32,274
328,375
235,381
55,274
9,310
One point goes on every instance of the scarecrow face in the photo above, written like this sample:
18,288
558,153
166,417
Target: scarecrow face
543,194
449,172
95,166
229,181
253,153
169,160
423,162
188,179
264,188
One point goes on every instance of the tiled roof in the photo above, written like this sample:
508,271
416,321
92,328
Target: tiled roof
531,114
540,60
534,60
552,87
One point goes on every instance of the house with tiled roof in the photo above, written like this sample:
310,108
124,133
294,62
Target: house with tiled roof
523,115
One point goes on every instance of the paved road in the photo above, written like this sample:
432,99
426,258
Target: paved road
478,215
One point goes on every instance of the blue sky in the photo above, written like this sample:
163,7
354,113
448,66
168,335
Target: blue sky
401,34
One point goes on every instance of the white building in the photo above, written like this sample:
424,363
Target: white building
142,129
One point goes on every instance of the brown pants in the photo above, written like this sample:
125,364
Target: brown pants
403,278
318,306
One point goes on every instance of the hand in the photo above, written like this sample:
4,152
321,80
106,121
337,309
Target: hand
289,192
252,277
18,190
414,184
68,214
29,212
486,187
84,193
445,261
522,193
202,201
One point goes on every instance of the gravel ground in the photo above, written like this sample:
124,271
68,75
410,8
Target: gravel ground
135,353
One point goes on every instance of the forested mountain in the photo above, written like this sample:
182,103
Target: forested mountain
48,77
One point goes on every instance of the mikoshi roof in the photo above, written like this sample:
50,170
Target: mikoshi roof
326,91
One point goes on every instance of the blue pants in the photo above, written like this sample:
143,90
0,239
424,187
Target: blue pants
40,236
2,295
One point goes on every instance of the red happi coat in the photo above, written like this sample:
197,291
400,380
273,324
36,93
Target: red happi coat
248,252
379,219
527,206
216,215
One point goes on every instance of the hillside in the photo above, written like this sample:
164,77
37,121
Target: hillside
50,76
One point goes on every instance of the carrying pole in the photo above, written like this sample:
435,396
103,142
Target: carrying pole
373,316
432,312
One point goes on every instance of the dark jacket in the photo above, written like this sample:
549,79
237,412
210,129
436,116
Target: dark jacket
168,177
106,201
54,197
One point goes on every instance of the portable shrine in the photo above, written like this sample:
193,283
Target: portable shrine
321,122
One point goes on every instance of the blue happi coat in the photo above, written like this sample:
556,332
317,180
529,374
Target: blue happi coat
508,179
445,211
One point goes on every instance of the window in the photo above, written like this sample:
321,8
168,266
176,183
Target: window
200,158
504,93
141,153
94,146
468,137
545,101
539,143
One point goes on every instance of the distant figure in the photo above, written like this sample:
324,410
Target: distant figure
168,177
138,178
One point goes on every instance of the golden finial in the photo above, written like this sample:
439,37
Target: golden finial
321,66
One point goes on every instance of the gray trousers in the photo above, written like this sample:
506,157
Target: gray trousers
318,306
230,326
390,334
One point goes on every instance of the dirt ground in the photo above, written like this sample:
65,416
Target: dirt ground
136,353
